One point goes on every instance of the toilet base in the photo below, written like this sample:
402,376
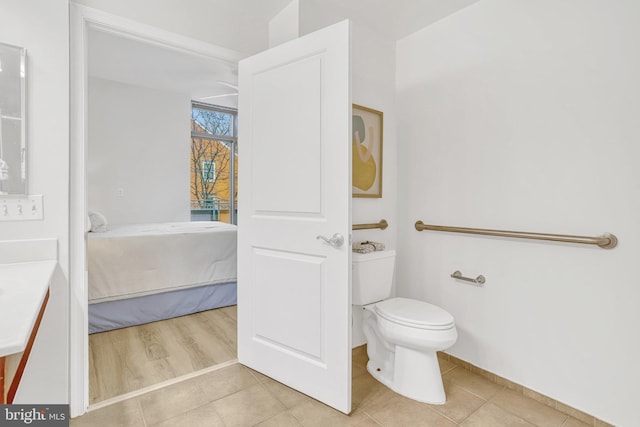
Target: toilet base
415,375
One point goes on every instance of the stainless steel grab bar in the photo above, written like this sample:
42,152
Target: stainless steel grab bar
458,275
605,241
381,225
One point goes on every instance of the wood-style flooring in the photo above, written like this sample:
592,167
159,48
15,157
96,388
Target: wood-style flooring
129,359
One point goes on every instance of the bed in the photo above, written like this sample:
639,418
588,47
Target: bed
146,272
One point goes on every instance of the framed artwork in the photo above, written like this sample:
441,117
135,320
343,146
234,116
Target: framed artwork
366,136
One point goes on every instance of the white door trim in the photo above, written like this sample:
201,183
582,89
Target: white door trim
81,19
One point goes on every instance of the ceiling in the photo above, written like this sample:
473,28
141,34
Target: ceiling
140,63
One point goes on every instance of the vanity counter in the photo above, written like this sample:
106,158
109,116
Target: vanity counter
24,287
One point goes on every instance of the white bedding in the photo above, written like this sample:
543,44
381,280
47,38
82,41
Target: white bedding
143,259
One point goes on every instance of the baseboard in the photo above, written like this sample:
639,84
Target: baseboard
559,406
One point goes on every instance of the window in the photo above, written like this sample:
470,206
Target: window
214,163
208,170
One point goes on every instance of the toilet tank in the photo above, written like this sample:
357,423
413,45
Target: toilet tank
372,276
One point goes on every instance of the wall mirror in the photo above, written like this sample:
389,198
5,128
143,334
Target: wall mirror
13,148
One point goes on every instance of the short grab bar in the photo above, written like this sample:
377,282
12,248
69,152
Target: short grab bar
381,225
458,275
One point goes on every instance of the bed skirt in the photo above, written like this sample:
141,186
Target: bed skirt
105,316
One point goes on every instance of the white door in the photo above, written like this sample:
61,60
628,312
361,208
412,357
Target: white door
294,289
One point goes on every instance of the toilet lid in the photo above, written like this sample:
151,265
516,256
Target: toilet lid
417,314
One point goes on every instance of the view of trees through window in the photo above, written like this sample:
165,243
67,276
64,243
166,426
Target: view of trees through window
214,163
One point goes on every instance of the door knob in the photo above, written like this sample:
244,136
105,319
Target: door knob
336,240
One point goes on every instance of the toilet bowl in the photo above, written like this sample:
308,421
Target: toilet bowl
403,335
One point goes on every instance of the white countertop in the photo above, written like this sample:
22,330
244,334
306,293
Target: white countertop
23,287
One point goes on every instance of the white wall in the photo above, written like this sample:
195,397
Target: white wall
524,116
42,27
139,153
285,25
372,86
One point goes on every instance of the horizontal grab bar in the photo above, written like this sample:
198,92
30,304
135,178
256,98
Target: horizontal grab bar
458,275
381,225
606,241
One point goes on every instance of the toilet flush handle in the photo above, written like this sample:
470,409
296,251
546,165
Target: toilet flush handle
336,240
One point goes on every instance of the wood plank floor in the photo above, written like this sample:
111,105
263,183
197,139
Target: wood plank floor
129,359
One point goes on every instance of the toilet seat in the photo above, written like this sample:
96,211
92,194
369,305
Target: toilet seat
414,313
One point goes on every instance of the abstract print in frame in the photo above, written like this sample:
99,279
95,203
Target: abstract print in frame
366,136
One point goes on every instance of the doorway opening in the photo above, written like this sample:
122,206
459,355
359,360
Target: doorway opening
136,59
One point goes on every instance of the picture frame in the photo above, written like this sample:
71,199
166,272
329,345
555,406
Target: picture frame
366,140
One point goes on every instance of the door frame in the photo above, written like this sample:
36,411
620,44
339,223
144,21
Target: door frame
81,19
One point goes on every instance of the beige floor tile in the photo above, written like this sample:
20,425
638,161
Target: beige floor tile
368,422
529,409
359,355
460,403
406,412
259,376
579,415
205,415
239,396
490,415
283,419
170,401
363,387
123,414
286,395
445,366
539,397
226,381
600,423
248,407
572,422
503,382
357,370
473,383
316,414
373,394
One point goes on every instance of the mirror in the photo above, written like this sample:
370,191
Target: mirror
13,173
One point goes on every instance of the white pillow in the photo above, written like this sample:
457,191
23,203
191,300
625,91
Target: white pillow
98,222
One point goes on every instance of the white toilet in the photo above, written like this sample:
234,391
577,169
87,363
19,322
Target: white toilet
403,335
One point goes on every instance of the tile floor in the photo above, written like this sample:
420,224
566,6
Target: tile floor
238,396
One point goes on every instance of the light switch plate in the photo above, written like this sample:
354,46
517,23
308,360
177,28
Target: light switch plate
26,208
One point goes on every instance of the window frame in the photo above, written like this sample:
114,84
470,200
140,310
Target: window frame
230,140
